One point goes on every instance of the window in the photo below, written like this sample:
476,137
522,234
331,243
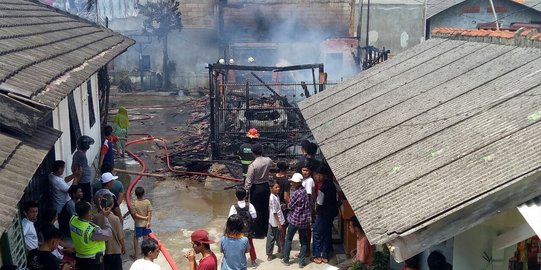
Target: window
75,129
91,115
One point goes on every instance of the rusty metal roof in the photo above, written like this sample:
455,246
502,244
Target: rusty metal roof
434,7
45,53
431,131
19,159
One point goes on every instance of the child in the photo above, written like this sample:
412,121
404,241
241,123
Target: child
276,222
150,250
42,258
247,213
114,248
30,211
142,213
234,245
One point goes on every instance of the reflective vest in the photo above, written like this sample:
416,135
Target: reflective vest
80,231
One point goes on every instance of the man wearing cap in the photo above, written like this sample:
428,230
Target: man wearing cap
298,218
257,186
201,244
245,151
109,184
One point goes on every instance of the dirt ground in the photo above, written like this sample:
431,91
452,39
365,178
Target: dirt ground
180,205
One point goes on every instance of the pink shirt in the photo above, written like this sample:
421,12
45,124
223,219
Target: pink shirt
365,251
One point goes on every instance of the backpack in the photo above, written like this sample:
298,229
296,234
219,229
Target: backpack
244,213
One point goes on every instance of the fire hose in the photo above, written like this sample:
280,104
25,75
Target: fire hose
143,169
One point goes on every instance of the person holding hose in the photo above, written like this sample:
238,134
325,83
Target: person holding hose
245,151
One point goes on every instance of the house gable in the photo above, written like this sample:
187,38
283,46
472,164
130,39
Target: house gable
441,129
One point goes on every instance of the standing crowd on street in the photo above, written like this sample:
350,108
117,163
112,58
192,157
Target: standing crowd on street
82,228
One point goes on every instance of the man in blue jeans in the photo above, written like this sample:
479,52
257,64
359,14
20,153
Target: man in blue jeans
298,218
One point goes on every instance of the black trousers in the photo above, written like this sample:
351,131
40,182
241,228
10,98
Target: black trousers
87,192
112,262
259,197
88,264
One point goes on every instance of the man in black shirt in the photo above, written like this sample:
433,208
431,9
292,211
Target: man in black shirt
42,258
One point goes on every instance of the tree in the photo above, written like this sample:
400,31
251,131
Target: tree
162,17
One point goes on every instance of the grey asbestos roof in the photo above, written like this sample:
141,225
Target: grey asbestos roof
431,131
434,7
45,53
19,159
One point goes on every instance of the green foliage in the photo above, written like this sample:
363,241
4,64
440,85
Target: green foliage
381,260
162,17
357,266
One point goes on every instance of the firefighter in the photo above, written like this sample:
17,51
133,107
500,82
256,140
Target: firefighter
245,151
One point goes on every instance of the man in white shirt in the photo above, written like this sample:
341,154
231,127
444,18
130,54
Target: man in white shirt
59,185
150,250
30,210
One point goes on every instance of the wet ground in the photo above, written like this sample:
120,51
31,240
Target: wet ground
180,206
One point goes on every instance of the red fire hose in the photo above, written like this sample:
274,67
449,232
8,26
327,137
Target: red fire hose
143,169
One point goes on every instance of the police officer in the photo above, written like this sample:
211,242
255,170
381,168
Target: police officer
88,238
245,151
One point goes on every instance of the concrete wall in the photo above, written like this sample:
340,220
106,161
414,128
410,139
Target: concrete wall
61,122
395,25
469,13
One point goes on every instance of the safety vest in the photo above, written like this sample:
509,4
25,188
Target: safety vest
81,231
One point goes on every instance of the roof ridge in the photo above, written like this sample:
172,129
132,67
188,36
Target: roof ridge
523,37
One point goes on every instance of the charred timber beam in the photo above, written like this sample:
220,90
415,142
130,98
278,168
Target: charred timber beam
263,68
268,87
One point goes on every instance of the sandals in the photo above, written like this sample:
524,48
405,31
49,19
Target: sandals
317,260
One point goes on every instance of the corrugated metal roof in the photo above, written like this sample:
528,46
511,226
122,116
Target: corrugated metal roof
430,131
434,7
20,158
47,53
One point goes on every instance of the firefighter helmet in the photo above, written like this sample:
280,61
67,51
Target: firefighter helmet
252,133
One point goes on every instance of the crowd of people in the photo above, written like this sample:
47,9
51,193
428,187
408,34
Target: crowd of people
279,206
83,227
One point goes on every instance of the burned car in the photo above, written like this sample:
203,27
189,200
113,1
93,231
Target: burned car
262,115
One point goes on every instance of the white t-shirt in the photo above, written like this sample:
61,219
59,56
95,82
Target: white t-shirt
143,264
30,235
309,185
59,188
242,204
274,207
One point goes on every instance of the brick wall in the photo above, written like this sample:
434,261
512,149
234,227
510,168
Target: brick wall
198,13
275,19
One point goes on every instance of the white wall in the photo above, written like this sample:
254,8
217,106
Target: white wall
470,245
61,122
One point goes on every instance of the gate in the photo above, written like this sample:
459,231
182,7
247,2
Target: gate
265,98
